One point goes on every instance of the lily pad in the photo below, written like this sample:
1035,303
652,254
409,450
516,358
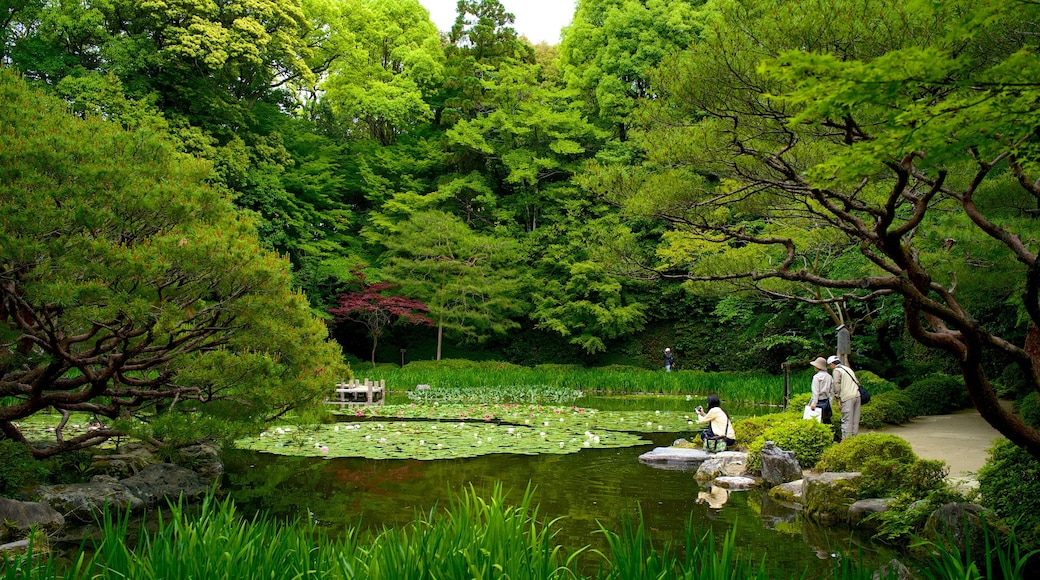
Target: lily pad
537,415
433,439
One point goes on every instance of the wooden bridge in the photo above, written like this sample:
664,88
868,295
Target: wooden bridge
356,393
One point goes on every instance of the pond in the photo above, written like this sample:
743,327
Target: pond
585,489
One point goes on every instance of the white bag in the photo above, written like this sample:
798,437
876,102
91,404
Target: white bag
813,414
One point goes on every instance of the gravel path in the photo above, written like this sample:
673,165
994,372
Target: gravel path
961,439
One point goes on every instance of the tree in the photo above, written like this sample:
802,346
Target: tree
611,48
132,290
467,278
371,308
867,148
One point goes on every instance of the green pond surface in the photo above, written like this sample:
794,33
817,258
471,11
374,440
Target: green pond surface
585,489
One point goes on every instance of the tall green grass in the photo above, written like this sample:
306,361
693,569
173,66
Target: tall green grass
472,538
555,384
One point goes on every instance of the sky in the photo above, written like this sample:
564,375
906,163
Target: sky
538,20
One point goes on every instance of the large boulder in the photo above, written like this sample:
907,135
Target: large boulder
18,517
735,482
87,501
722,464
965,526
204,459
828,496
128,460
779,466
159,483
678,458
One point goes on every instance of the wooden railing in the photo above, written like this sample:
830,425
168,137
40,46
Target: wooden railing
358,393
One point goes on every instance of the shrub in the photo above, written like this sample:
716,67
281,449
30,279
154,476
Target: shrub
1009,483
806,439
752,428
20,470
888,464
938,394
1029,409
887,408
874,384
853,453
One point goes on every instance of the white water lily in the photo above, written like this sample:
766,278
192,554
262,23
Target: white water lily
588,444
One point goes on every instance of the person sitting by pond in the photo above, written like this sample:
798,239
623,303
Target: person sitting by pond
717,420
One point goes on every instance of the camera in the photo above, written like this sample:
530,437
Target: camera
700,409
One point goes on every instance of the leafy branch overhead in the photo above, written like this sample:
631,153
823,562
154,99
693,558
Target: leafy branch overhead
812,156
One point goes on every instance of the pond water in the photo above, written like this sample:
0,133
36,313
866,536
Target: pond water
585,489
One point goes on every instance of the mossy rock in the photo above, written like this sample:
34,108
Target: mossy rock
828,496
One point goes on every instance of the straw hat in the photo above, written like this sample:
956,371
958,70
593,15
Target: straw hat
820,363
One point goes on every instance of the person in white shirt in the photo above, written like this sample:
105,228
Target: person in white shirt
821,390
845,389
717,420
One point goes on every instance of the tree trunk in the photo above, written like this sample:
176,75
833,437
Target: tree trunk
440,337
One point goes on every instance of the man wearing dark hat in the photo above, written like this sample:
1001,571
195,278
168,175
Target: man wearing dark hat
845,390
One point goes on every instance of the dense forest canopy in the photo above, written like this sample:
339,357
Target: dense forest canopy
731,178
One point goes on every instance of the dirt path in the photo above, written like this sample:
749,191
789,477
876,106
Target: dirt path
961,439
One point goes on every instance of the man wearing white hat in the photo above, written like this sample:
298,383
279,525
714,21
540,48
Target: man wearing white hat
668,360
845,389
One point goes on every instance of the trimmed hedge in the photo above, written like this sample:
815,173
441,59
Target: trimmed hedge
938,394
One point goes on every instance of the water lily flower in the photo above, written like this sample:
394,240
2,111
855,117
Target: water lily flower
382,439
336,428
422,442
324,448
587,443
561,444
542,433
510,430
657,412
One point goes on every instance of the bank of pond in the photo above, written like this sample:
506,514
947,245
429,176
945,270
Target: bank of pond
468,489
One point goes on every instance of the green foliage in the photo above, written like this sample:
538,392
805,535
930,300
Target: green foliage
20,470
938,394
751,428
805,438
472,537
1010,485
162,282
852,455
888,464
887,408
1029,409
875,384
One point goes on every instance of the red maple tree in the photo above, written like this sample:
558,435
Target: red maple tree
370,307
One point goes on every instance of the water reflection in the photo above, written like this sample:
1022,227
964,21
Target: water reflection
715,497
587,489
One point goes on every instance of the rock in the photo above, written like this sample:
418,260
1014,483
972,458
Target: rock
165,481
680,442
721,464
130,459
790,492
203,459
19,547
861,509
779,466
735,482
961,526
18,517
828,496
894,570
673,457
86,501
